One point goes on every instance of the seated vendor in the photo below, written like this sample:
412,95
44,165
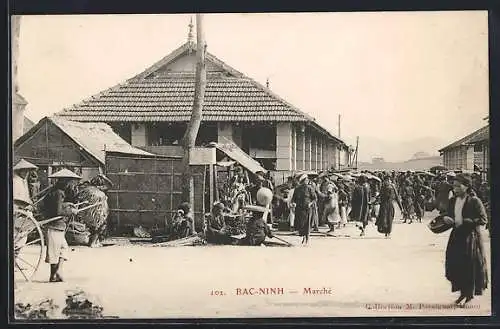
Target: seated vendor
216,230
182,223
257,229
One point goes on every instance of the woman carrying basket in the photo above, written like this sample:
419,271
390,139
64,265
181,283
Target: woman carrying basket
465,258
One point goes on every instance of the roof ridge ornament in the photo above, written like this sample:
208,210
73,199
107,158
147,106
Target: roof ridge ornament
190,40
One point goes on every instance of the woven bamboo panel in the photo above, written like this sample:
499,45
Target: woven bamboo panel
148,190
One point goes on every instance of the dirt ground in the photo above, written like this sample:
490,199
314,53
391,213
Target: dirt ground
359,276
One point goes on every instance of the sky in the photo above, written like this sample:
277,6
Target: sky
399,76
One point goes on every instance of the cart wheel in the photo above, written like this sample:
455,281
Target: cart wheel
29,245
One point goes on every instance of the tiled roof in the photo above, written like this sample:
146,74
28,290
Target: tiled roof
169,97
477,136
155,95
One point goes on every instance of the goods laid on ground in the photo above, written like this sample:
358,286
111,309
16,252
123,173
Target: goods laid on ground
43,310
194,240
80,306
236,224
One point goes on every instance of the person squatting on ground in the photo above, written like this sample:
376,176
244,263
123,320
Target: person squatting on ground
216,231
182,225
59,202
465,263
303,200
256,229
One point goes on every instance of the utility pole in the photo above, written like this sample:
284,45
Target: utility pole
339,125
356,152
189,138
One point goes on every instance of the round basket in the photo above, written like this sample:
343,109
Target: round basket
236,225
264,196
441,224
77,238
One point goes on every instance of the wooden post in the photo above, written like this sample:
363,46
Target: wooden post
216,186
211,183
189,138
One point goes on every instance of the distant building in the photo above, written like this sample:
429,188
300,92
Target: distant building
421,163
378,160
469,153
28,124
420,155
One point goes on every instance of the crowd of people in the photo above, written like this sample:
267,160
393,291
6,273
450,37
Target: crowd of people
308,201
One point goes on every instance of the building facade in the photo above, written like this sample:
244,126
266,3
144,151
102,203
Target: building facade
152,109
470,153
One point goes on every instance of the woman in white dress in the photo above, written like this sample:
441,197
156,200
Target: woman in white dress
331,211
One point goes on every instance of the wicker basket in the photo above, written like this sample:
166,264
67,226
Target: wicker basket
77,238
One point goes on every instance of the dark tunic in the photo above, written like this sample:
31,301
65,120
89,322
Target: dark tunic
442,196
358,201
214,233
386,213
465,264
408,200
256,231
365,211
419,201
303,195
53,207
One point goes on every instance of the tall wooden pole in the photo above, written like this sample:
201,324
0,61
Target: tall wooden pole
189,138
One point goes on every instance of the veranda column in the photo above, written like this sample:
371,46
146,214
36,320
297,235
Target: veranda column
283,146
301,148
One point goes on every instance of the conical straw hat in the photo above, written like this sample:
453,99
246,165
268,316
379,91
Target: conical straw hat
64,173
23,164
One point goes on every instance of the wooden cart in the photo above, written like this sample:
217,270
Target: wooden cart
29,243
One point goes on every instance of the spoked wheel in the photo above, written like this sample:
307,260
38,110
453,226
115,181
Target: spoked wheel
29,245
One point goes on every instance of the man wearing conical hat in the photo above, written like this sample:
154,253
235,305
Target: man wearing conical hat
22,202
20,189
59,202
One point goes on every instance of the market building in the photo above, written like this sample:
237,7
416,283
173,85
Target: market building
469,153
151,111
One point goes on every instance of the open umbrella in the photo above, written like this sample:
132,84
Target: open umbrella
425,173
435,169
373,177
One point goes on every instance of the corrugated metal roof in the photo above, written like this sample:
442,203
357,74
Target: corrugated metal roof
475,137
237,154
96,138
